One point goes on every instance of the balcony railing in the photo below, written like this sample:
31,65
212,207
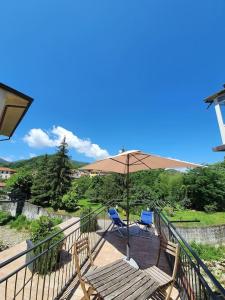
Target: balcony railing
194,280
45,270
37,273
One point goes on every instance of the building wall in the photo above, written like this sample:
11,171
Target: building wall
5,175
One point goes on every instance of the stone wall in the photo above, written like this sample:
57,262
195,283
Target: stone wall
27,209
214,235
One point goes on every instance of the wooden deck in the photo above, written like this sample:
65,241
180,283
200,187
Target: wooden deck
144,249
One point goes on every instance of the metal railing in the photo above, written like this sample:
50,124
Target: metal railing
194,280
43,271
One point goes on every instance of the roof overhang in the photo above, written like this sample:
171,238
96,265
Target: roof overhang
13,107
220,148
219,97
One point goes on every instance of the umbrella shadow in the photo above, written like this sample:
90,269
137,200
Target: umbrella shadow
144,245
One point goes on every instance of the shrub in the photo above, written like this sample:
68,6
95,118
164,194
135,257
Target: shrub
21,222
169,211
42,229
209,208
56,220
69,201
186,202
88,221
5,217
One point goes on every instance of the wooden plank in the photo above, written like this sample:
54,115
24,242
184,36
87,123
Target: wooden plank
125,289
104,277
81,242
168,246
81,249
105,280
104,270
134,285
116,283
170,252
99,269
159,275
146,290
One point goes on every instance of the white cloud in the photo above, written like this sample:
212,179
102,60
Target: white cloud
38,138
31,155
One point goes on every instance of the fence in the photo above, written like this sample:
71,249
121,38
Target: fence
44,271
194,280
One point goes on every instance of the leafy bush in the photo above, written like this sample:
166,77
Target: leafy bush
56,220
5,217
186,202
88,221
42,229
70,199
20,184
169,211
209,208
21,222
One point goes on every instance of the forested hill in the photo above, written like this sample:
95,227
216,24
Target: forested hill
32,163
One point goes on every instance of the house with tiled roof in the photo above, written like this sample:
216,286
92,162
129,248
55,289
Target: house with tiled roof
6,173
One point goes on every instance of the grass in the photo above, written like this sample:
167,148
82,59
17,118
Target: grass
5,217
21,223
206,219
82,203
208,252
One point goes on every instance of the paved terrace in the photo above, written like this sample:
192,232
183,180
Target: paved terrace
144,250
30,286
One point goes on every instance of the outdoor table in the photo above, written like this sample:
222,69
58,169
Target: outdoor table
120,281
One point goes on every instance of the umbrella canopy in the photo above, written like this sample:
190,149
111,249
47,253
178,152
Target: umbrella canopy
132,161
135,160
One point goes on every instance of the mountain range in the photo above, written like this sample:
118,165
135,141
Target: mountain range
33,162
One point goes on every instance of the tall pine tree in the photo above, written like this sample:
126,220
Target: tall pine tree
60,175
41,185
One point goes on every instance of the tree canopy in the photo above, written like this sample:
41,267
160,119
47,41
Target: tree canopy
50,184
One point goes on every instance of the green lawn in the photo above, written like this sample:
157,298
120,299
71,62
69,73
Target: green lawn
82,203
206,219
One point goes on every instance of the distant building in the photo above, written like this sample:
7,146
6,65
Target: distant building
97,173
2,185
6,173
79,173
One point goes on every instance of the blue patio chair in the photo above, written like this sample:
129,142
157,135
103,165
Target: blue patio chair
118,224
146,219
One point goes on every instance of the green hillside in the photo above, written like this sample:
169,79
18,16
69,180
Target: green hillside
32,163
3,161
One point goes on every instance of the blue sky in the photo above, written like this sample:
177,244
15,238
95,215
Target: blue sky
115,74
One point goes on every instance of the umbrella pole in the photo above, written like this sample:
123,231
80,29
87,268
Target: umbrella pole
128,210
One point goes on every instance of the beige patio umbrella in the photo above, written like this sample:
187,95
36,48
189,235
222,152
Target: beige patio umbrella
132,161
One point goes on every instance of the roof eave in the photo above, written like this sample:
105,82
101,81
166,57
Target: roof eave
215,96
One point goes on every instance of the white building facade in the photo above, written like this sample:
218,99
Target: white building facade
6,173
